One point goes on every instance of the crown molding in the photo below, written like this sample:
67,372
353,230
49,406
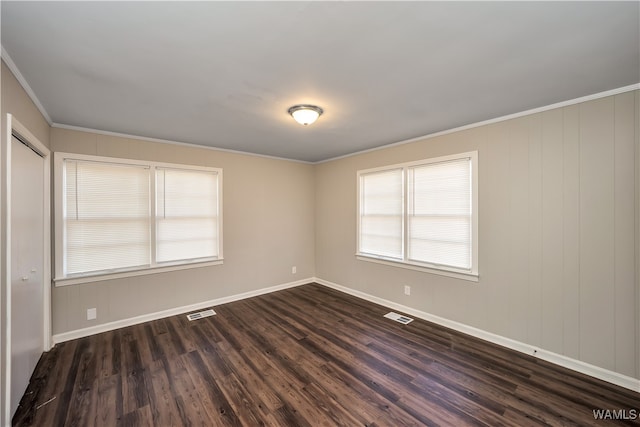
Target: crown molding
166,141
23,82
582,99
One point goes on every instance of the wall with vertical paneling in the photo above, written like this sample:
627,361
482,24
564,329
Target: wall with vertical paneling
558,230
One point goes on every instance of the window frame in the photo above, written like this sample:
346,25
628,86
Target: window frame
154,267
471,274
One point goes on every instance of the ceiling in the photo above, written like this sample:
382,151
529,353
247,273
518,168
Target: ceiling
223,74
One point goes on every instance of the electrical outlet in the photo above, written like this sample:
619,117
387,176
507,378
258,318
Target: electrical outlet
92,313
407,290
294,269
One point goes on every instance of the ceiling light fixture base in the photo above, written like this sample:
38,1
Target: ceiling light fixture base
305,114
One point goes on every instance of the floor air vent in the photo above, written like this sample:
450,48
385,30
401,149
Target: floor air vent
398,318
200,314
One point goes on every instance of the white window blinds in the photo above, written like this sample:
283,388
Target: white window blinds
423,214
106,216
439,214
120,216
381,213
186,214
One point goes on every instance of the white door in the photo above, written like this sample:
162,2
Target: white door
27,263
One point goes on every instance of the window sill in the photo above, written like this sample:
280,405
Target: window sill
471,277
77,280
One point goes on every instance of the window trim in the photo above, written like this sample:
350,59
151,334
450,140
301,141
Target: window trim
472,274
154,267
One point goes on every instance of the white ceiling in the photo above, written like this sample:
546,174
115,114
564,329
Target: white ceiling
223,74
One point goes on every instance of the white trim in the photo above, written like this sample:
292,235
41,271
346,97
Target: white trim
14,69
23,82
410,266
166,141
78,280
567,362
557,359
637,241
85,332
562,104
60,156
5,194
40,148
14,125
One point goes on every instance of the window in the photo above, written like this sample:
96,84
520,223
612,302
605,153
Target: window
117,216
186,214
106,217
421,215
381,214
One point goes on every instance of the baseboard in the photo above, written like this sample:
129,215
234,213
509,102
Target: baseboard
557,359
104,327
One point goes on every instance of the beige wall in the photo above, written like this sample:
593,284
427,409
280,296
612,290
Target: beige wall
268,226
16,102
557,236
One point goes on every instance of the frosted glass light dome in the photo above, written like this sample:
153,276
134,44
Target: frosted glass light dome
305,114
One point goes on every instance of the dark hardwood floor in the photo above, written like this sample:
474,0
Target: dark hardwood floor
306,356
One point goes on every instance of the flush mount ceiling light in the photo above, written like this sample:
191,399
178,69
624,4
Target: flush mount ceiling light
305,114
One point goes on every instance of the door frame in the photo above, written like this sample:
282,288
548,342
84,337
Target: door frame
14,127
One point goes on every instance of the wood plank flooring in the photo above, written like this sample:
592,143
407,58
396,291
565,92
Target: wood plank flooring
306,356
